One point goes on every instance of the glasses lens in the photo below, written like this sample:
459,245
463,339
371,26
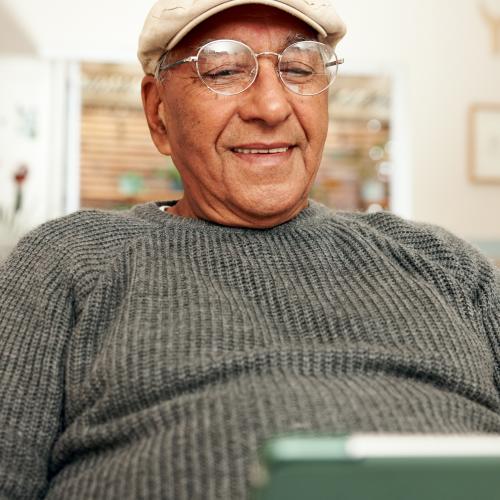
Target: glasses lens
308,68
226,67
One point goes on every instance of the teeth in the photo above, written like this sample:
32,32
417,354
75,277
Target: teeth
260,151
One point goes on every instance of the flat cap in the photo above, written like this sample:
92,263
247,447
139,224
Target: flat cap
170,20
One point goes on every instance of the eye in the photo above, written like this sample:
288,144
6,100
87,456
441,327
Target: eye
222,73
296,70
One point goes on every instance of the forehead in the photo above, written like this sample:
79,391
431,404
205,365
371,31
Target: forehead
259,26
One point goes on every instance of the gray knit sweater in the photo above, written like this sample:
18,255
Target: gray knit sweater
146,356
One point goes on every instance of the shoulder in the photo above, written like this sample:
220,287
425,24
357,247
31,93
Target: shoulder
93,227
426,249
423,237
79,243
428,240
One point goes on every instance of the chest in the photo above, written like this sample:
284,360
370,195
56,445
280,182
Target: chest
158,325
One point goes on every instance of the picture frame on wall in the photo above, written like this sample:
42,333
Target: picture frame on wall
484,143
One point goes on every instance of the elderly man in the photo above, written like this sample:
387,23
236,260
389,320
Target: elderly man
148,353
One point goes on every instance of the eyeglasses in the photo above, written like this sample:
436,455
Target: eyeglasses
229,67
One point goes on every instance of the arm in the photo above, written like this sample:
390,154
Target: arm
471,273
35,319
482,281
488,305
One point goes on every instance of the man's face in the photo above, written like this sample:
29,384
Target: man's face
205,132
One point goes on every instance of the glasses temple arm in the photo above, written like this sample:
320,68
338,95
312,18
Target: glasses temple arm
182,61
335,63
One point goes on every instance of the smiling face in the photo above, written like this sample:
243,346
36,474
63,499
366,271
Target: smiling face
247,160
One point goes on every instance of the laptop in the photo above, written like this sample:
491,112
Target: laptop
378,467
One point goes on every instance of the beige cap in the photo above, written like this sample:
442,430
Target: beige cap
170,20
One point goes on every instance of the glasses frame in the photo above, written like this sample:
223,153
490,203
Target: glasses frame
160,68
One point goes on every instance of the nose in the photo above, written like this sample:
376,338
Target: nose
267,100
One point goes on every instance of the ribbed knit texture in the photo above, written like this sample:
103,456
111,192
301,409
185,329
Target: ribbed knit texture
147,356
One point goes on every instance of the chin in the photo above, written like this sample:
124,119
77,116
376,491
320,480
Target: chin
274,208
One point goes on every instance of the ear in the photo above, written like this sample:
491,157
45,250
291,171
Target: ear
155,114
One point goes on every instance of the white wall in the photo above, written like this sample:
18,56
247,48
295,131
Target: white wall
440,53
13,37
99,30
33,97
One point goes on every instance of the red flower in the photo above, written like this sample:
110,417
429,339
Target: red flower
21,174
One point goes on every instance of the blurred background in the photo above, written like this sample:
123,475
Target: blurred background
414,115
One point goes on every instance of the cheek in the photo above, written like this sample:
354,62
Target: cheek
312,112
196,123
315,123
321,117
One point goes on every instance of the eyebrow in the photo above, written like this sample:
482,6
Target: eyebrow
297,37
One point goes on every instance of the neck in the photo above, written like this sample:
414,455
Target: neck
232,218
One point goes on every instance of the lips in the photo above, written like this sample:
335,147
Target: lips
262,149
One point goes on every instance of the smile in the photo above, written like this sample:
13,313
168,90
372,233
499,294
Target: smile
252,151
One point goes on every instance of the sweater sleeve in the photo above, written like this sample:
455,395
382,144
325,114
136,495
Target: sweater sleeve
482,278
35,319
478,277
488,305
